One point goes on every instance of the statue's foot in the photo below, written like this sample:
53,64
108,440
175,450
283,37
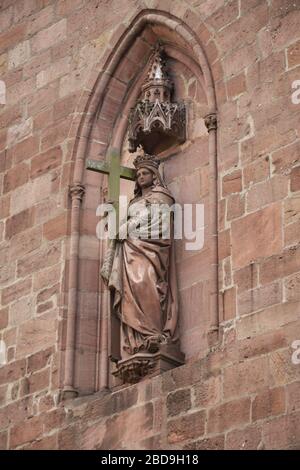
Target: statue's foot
152,345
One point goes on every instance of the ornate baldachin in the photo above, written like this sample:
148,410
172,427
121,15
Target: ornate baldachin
155,113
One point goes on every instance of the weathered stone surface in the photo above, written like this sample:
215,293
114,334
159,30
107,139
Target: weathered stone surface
19,222
240,393
269,403
229,415
246,377
247,438
37,334
178,402
257,235
187,427
46,256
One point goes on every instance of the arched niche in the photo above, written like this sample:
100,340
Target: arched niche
189,170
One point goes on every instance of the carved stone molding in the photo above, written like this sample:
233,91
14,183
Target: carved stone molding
77,191
143,364
211,121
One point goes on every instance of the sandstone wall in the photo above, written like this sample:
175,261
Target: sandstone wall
246,392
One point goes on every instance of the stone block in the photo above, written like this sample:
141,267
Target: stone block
284,159
3,318
246,377
210,443
56,228
208,392
45,161
279,266
282,369
53,72
44,443
267,192
19,222
229,303
21,310
37,334
25,149
282,432
50,36
292,287
27,431
247,438
232,183
20,131
16,291
47,256
25,242
46,277
39,360
256,172
256,235
40,19
19,55
261,344
246,278
269,402
35,382
295,179
257,299
224,244
3,440
292,209
235,206
13,371
224,15
269,319
229,415
236,85
293,55
55,134
47,293
293,396
190,426
178,402
12,37
15,412
15,177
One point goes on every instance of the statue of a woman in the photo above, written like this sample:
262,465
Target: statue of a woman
142,273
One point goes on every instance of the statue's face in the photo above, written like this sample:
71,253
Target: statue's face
144,177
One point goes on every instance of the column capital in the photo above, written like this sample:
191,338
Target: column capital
77,191
211,121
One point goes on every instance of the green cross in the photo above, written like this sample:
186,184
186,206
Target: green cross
115,171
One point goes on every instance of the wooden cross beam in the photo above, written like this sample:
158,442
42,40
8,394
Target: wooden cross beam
115,171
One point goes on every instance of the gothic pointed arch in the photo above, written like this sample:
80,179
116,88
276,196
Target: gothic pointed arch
102,129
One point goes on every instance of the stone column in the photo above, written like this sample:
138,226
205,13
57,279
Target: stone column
211,124
77,191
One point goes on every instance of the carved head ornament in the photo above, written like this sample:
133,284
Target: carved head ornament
142,161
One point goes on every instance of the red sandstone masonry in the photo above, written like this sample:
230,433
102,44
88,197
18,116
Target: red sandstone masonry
245,394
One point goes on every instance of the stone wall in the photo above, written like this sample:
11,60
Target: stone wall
246,392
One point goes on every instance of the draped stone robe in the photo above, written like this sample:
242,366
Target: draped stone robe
142,279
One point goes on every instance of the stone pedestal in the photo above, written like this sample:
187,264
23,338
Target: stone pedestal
142,364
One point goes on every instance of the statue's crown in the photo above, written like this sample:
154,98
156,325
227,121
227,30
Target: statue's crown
146,160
